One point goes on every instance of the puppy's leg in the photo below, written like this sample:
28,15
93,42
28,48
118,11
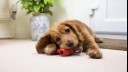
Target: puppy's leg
93,49
50,49
94,52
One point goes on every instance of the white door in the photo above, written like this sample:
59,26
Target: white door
110,17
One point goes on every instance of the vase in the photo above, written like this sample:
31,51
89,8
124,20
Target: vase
39,25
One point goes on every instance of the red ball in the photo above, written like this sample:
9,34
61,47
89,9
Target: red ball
65,52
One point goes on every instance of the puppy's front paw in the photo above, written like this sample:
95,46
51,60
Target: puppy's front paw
96,54
50,49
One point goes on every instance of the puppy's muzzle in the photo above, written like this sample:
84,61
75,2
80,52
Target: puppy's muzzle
70,44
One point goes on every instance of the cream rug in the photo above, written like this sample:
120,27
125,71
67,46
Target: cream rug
21,56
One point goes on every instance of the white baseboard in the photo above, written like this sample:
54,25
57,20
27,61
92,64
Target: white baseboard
6,34
26,35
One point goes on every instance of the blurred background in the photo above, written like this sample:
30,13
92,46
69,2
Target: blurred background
108,18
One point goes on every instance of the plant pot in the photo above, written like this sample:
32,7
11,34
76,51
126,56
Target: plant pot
39,25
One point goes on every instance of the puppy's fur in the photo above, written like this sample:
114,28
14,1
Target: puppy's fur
69,34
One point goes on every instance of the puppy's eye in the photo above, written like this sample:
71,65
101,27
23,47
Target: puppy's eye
67,30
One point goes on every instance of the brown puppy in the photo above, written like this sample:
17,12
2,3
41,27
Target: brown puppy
69,34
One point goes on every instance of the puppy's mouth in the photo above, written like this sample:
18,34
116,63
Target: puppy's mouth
77,49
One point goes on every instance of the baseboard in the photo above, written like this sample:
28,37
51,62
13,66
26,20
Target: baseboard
26,35
6,34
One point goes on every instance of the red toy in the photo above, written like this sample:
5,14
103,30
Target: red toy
68,52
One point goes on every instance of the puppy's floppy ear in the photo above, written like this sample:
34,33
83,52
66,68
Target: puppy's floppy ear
43,42
75,29
47,38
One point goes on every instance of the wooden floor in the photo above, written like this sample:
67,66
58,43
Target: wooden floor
116,44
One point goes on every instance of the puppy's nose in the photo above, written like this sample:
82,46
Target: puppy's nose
70,44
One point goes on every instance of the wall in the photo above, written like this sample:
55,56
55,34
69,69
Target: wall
22,26
4,13
70,9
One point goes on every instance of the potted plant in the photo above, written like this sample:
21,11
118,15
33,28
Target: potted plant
39,21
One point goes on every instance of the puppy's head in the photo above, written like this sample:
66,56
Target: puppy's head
69,35
66,37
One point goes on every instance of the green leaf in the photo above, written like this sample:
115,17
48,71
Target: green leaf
37,1
31,8
30,0
41,5
30,3
59,2
37,8
45,1
50,1
26,5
